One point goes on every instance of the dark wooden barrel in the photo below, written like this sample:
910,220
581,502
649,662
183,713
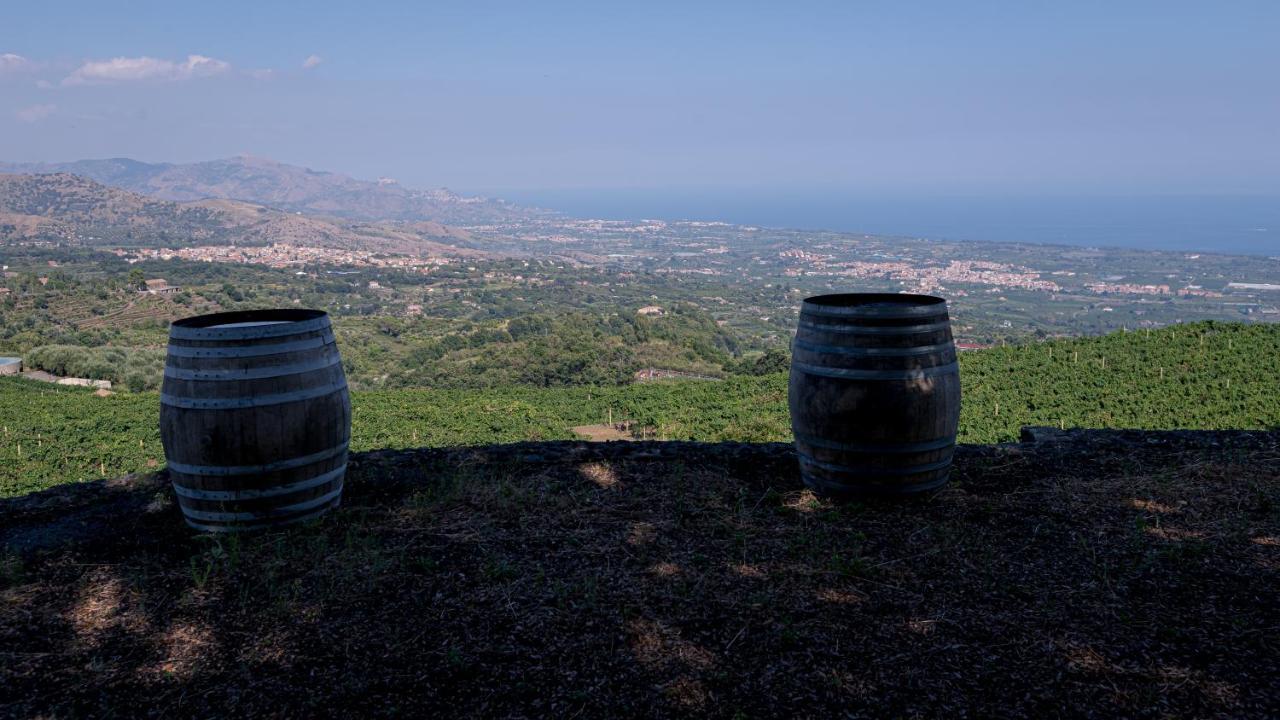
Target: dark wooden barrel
874,394
255,418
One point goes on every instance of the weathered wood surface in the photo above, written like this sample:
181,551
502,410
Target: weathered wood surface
255,418
874,393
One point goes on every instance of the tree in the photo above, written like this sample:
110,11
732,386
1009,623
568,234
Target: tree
773,361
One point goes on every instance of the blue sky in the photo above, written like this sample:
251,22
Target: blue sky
924,97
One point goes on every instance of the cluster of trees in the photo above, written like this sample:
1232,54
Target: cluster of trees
80,283
559,349
137,369
476,331
773,360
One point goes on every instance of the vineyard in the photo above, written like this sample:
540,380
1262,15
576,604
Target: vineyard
1205,376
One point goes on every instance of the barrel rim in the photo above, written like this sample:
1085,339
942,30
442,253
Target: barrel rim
876,305
290,321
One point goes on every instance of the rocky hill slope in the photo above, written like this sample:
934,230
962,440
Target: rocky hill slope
286,187
1075,574
62,207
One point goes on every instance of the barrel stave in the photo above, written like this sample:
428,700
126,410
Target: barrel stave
255,421
874,394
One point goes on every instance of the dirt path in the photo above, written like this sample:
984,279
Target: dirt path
602,433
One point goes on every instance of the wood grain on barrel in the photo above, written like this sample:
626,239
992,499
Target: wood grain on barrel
255,418
874,393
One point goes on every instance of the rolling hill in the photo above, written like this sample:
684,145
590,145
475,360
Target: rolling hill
67,208
285,187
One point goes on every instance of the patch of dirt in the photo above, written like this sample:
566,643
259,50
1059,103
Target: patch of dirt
1085,574
603,432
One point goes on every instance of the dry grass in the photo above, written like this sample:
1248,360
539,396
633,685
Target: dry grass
1099,576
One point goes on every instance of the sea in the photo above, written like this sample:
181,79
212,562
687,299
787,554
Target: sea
1234,224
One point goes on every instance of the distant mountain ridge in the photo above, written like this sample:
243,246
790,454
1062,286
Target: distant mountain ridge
286,187
67,208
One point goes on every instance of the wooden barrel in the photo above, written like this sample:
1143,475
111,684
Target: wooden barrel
874,393
255,418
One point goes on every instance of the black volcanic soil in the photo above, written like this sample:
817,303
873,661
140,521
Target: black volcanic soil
1082,574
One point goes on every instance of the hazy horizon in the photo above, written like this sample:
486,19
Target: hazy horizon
1223,223
1234,224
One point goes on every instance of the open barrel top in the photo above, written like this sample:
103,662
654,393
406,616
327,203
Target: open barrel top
854,305
248,324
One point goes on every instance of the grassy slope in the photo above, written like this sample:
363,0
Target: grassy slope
1214,377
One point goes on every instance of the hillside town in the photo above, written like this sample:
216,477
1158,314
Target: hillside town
281,256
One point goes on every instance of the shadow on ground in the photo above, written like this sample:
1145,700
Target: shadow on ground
1079,573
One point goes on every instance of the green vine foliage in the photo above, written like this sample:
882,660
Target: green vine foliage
1203,376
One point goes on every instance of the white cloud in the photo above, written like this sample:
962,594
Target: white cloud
10,63
123,69
311,61
35,113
